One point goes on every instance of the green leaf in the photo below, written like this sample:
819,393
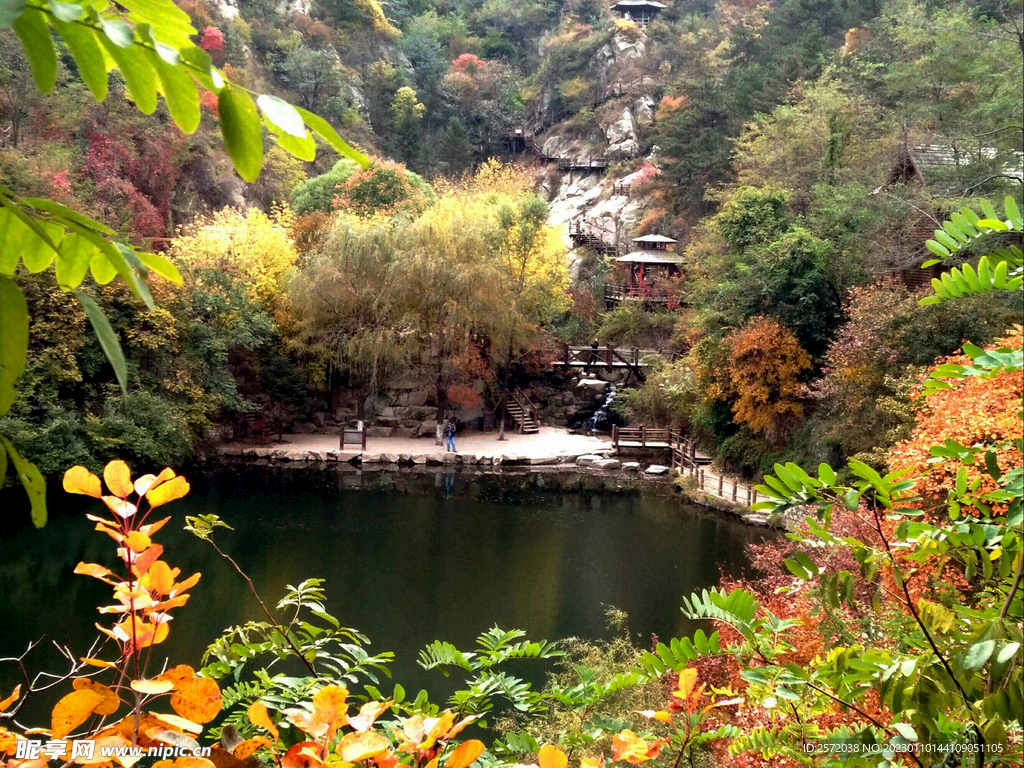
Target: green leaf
116,32
242,131
979,653
282,114
37,45
107,337
9,11
139,75
323,129
36,254
32,481
73,261
180,93
1007,652
1012,212
66,11
70,214
906,731
13,340
162,266
102,270
826,474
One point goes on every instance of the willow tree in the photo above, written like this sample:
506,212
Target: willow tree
450,288
533,278
350,301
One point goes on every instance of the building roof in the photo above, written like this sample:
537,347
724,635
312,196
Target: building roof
651,257
920,159
625,5
654,239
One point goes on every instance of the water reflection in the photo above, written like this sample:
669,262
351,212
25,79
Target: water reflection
407,558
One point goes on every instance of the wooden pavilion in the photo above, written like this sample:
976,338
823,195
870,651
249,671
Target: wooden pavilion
651,259
640,11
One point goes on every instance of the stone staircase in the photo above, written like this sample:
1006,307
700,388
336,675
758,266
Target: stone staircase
523,412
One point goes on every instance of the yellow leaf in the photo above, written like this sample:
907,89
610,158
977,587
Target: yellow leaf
180,723
368,713
120,507
169,491
110,700
330,707
550,756
591,762
73,710
466,753
152,686
97,572
259,716
249,747
10,699
118,478
198,701
302,755
687,679
179,675
362,746
661,715
99,663
137,541
81,480
144,483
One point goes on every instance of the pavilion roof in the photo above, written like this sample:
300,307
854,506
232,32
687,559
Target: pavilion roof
651,257
654,239
625,5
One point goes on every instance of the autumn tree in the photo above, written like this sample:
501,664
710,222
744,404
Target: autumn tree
349,297
531,264
765,365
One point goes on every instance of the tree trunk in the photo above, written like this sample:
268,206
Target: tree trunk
441,406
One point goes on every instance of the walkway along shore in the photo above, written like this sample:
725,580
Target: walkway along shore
551,448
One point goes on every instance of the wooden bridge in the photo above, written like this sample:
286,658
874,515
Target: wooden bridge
616,292
686,461
603,359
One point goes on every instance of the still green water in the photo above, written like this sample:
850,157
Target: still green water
407,558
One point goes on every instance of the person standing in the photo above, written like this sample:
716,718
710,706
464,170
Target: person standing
449,436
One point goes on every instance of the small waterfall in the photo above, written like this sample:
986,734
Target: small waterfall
603,417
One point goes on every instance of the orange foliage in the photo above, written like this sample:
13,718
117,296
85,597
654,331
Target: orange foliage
974,410
765,364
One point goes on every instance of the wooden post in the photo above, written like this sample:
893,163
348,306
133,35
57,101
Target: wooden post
721,482
362,429
608,355
636,355
643,437
567,356
755,496
748,495
735,487
615,437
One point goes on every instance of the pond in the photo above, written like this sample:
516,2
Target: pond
408,558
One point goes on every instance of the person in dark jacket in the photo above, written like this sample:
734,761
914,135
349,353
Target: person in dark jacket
449,436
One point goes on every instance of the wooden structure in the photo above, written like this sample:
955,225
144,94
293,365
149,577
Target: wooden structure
651,259
640,11
349,436
523,412
616,292
582,163
685,461
590,233
603,358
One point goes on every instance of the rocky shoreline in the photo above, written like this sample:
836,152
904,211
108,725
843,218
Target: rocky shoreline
599,464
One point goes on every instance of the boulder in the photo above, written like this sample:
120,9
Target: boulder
379,431
391,458
656,469
372,458
606,464
427,429
544,460
587,461
631,466
435,458
418,397
304,428
406,431
450,458
595,387
320,418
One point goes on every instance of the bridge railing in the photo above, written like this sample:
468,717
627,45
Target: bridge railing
642,435
607,356
622,291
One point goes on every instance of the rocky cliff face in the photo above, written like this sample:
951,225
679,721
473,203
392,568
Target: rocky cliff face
615,133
